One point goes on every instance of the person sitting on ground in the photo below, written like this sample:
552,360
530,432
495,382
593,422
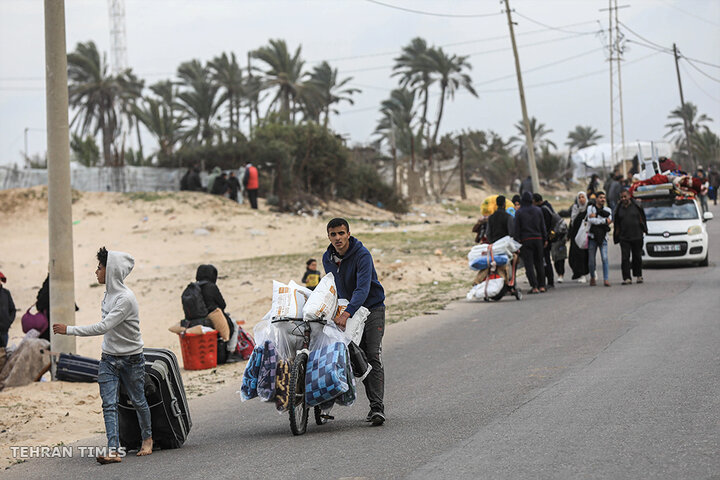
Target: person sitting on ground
122,350
42,304
311,278
500,224
207,276
7,312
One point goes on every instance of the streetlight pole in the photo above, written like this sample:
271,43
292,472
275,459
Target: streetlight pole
62,288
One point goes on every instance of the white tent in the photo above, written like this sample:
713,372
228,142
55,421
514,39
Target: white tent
598,158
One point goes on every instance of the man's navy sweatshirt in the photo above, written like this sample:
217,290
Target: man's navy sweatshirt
530,224
355,276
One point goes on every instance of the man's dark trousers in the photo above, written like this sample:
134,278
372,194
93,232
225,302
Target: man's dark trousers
532,256
371,344
547,262
252,196
626,248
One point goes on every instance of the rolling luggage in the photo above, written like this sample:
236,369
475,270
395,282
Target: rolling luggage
74,368
165,395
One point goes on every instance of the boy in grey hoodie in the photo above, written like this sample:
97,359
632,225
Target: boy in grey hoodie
122,350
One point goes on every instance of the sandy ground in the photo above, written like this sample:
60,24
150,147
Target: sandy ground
420,258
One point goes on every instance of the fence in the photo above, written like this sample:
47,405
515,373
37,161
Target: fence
101,179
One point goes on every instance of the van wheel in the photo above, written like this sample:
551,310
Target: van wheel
706,261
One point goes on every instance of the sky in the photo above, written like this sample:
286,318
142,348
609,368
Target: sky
562,56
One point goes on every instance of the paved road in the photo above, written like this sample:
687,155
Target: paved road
620,382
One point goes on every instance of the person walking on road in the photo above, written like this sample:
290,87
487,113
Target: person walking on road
714,180
578,257
122,351
547,211
600,218
251,182
356,280
500,223
530,231
526,186
630,225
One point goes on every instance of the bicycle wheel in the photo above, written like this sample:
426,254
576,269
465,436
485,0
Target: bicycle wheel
319,420
297,408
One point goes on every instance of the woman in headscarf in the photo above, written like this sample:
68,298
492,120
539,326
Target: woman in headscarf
578,258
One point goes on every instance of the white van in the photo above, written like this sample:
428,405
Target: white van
676,231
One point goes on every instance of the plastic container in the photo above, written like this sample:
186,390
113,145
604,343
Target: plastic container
199,352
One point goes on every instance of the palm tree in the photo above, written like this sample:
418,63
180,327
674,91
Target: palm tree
582,137
678,117
396,125
449,72
324,81
94,92
199,100
161,122
414,72
252,88
284,72
227,73
706,146
538,131
130,94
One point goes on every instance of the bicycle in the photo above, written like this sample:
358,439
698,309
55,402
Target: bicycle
298,409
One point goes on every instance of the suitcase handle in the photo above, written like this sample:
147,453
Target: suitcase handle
175,408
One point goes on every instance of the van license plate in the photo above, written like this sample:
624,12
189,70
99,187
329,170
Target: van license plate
667,248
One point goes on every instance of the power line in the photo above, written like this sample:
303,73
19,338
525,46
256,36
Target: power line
550,27
692,79
433,14
691,14
643,38
699,70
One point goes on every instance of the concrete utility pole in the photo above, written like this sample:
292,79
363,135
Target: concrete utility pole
528,134
463,194
62,281
618,54
682,106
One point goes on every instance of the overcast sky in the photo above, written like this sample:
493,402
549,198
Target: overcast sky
565,71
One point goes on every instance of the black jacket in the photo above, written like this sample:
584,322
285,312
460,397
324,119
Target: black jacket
500,224
7,309
618,215
529,223
207,276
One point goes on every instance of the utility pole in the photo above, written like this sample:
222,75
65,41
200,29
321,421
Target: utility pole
528,134
62,282
682,107
612,98
618,52
463,194
26,157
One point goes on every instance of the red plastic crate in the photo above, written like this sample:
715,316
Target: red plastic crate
199,352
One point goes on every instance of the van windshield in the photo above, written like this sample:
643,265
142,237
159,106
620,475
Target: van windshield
670,209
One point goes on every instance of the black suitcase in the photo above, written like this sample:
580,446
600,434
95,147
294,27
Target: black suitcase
74,368
165,395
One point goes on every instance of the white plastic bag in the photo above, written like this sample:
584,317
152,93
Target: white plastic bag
506,246
489,288
288,300
330,335
355,325
581,237
323,301
476,252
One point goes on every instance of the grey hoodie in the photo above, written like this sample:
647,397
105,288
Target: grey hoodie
120,321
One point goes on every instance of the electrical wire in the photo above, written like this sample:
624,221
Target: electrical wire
550,27
643,38
692,79
701,71
433,14
690,14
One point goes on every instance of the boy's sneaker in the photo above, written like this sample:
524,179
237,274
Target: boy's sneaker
369,416
377,419
560,279
639,280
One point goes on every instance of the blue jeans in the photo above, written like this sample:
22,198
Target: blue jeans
130,370
592,251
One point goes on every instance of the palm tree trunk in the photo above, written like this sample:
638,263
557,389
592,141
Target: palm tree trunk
107,139
140,146
423,119
439,117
